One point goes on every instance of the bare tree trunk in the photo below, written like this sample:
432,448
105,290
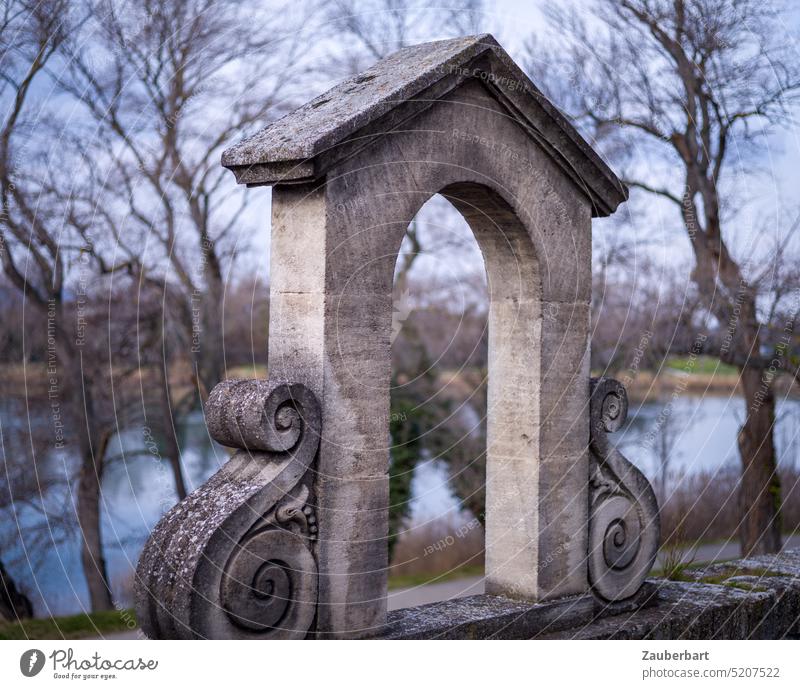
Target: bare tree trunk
94,564
90,481
14,605
678,84
210,361
172,447
207,344
759,489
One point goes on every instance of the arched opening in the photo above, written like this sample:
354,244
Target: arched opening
350,170
466,326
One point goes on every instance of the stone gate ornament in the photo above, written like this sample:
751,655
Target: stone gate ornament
623,517
289,538
234,559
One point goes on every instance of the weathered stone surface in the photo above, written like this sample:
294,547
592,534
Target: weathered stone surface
335,114
624,525
234,559
353,555
764,604
297,266
294,147
488,617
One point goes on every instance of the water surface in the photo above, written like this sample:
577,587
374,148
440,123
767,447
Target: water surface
138,488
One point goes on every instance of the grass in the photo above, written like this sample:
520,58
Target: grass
72,627
674,571
702,364
402,581
250,371
759,572
681,571
745,586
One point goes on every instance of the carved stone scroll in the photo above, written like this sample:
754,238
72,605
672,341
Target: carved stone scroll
623,520
235,558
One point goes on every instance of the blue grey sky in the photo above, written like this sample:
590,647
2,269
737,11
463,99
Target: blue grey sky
772,190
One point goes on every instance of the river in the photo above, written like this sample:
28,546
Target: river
138,488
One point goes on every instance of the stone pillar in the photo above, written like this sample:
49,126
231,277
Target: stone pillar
333,256
332,335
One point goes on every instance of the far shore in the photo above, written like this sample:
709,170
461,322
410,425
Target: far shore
650,386
642,386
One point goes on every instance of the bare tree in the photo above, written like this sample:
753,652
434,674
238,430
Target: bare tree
641,313
14,605
169,85
33,497
687,82
367,31
38,254
35,490
73,283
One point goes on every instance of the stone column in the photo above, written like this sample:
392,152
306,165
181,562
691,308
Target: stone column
329,330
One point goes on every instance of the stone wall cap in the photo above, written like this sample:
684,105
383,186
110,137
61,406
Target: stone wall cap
289,149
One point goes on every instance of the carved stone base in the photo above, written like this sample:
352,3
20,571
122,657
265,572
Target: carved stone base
237,559
645,597
496,617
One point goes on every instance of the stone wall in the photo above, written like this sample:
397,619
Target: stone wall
753,598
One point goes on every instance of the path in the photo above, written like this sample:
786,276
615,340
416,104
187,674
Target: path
470,586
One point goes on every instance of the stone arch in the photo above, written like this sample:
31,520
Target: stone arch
514,379
349,172
514,355
535,237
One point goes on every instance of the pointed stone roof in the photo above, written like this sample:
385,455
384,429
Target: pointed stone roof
300,146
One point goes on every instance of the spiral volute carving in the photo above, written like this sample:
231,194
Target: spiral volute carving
266,595
624,523
235,559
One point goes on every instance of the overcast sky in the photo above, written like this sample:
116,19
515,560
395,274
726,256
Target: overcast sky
775,189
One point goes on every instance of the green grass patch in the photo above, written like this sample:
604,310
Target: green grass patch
744,586
674,571
723,577
72,627
404,581
681,572
701,364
